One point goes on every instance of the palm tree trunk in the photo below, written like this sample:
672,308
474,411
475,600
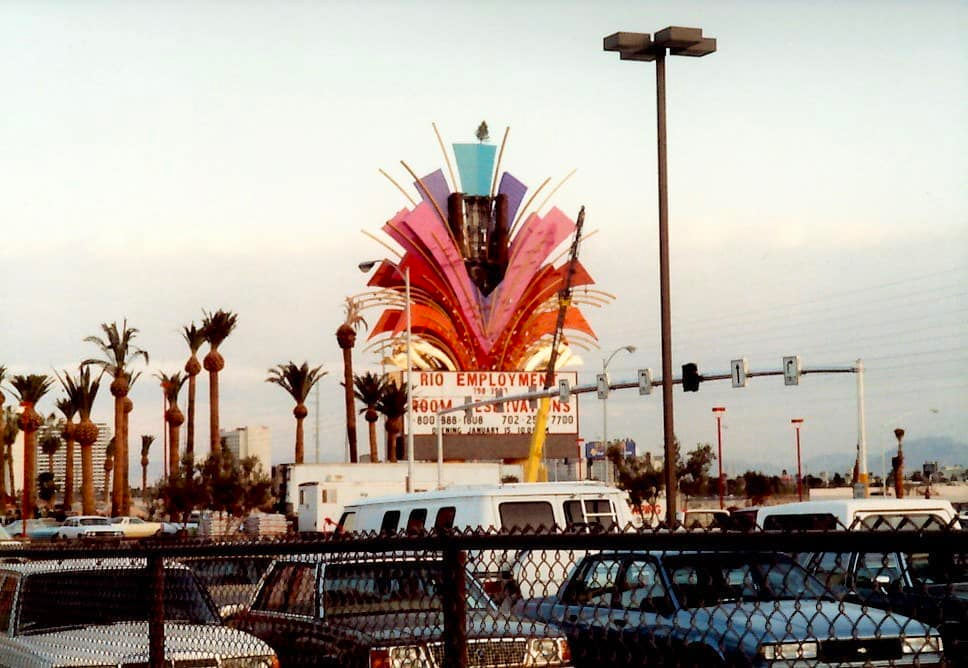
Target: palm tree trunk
374,451
391,443
118,482
87,479
69,475
13,482
299,440
214,436
126,485
30,473
350,402
172,450
190,435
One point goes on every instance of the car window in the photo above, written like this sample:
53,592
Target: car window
801,521
84,598
831,569
598,583
95,521
290,589
876,570
347,522
526,514
642,588
391,521
417,520
8,589
931,568
445,518
898,521
597,511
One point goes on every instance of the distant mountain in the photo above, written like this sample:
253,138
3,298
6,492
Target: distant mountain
942,449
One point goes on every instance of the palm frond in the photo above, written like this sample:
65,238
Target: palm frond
81,390
171,385
194,337
146,441
369,388
298,381
217,326
116,347
31,388
353,317
66,406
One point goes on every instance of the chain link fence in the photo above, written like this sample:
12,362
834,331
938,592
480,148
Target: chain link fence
481,599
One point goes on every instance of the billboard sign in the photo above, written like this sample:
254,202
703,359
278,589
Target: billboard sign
438,390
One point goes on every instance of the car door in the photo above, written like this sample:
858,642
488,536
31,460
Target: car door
284,612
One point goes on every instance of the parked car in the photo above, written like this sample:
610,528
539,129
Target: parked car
190,526
230,581
87,526
384,612
44,528
135,527
85,612
717,609
931,587
7,541
838,514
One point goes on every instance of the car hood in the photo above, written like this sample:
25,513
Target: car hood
128,641
429,626
756,622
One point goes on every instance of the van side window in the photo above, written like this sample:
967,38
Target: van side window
445,518
801,521
526,514
391,521
597,511
347,523
417,520
7,593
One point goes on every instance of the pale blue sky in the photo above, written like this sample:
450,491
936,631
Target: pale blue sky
160,158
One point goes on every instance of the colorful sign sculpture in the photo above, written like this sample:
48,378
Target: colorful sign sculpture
484,291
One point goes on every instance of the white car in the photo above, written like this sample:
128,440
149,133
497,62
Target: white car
86,612
87,526
135,527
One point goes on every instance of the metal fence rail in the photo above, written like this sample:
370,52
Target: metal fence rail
475,598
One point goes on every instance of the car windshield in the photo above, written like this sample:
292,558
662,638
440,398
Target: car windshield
364,589
94,522
51,601
938,567
703,580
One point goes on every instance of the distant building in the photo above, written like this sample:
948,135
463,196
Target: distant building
250,442
60,461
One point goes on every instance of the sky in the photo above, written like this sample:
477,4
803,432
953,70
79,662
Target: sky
163,158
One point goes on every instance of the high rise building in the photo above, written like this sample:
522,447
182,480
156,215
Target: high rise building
60,461
250,442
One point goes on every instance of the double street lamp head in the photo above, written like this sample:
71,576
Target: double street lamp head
643,46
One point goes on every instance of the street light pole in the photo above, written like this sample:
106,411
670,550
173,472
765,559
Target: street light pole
365,267
719,411
605,363
796,425
641,46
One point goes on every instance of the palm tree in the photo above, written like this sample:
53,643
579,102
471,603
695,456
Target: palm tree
127,405
110,452
173,416
10,431
194,337
215,328
82,391
146,441
67,408
346,338
393,405
118,352
298,381
50,442
369,389
30,389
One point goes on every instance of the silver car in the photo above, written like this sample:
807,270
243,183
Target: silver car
86,612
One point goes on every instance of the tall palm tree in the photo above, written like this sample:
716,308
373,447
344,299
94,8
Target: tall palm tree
118,351
82,390
146,441
346,338
67,408
173,416
127,406
110,452
393,405
369,389
50,442
298,381
10,431
216,327
30,389
194,337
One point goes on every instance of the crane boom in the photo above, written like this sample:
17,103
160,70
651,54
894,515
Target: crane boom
533,467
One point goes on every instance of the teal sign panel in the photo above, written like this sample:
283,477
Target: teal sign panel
475,162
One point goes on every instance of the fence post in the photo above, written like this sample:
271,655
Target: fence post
156,618
454,603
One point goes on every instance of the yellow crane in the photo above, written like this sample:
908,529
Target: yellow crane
534,469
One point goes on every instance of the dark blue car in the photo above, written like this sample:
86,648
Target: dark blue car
718,609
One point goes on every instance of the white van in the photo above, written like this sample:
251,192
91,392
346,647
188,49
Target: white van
870,513
518,506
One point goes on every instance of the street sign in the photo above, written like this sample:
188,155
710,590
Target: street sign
791,370
602,381
564,391
645,381
740,369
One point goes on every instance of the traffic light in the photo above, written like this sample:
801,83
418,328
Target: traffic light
645,381
690,377
601,380
564,391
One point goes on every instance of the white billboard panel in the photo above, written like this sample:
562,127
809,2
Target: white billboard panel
436,390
